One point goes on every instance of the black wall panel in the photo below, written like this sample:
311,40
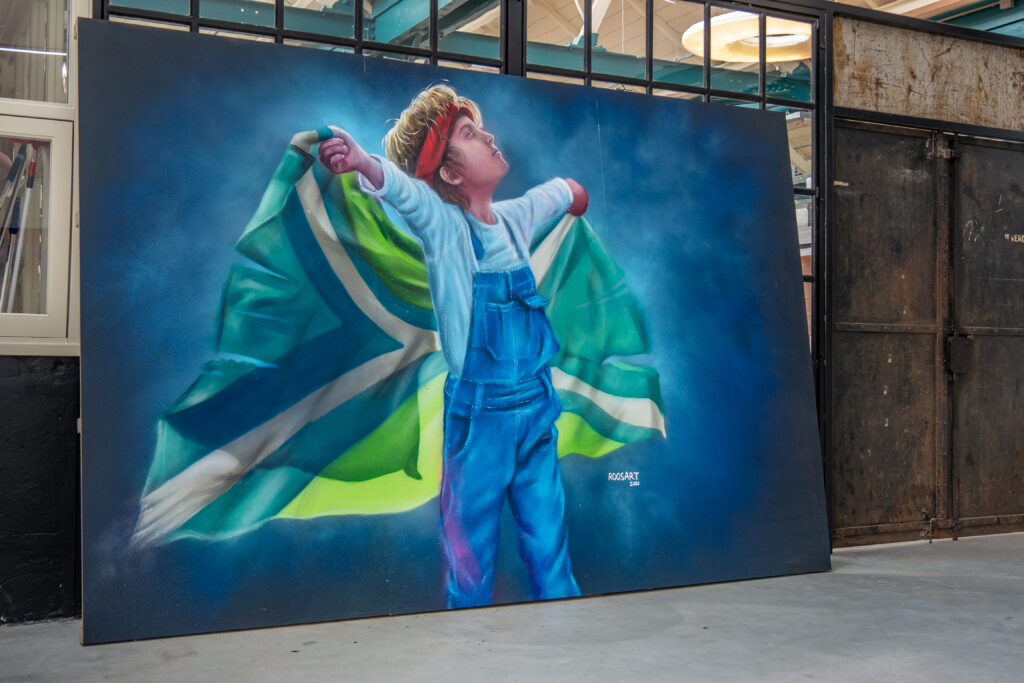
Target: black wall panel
39,407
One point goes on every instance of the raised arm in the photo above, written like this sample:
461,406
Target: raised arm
423,210
342,154
542,204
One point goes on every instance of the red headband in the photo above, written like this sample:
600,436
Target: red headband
432,152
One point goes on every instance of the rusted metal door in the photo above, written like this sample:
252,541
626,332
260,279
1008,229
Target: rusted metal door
888,460
926,436
988,346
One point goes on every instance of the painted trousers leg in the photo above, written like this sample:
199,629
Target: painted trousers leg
498,447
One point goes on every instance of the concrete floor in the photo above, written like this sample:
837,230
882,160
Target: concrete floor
946,611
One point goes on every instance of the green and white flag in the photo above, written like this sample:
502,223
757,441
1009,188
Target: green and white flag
326,397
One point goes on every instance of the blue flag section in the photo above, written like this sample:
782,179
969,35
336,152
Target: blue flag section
264,406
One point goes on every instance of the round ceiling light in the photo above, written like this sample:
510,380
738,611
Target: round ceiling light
734,38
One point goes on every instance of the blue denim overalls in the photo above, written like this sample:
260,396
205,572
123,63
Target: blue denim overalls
499,439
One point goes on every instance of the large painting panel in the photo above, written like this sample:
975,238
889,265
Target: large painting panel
549,342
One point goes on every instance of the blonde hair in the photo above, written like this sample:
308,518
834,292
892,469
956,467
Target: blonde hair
403,142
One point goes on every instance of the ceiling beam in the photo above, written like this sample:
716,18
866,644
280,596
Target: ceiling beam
802,163
920,8
556,18
482,20
660,25
598,11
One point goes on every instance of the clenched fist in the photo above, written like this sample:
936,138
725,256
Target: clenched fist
342,154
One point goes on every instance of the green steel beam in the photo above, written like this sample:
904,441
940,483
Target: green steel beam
396,22
168,6
956,12
991,18
795,86
454,16
336,21
238,11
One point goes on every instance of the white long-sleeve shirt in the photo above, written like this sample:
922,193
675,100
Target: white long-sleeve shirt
444,231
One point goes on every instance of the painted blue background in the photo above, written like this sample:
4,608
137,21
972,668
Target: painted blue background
179,135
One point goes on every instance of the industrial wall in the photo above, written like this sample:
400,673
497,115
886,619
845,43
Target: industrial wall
911,73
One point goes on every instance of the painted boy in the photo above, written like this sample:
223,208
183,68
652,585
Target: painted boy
500,407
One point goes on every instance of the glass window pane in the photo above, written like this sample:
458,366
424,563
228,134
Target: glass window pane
620,37
673,63
397,22
806,262
24,202
677,94
253,12
805,226
236,34
800,129
809,308
736,103
318,46
470,67
34,51
554,34
556,79
164,25
788,57
169,6
326,17
471,29
397,56
735,38
619,86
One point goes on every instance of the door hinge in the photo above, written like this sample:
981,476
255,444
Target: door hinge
938,525
958,354
941,147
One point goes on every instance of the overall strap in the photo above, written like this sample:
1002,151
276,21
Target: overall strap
478,247
515,244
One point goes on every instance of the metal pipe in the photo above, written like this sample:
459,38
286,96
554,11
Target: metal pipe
10,186
27,198
18,188
9,266
10,191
